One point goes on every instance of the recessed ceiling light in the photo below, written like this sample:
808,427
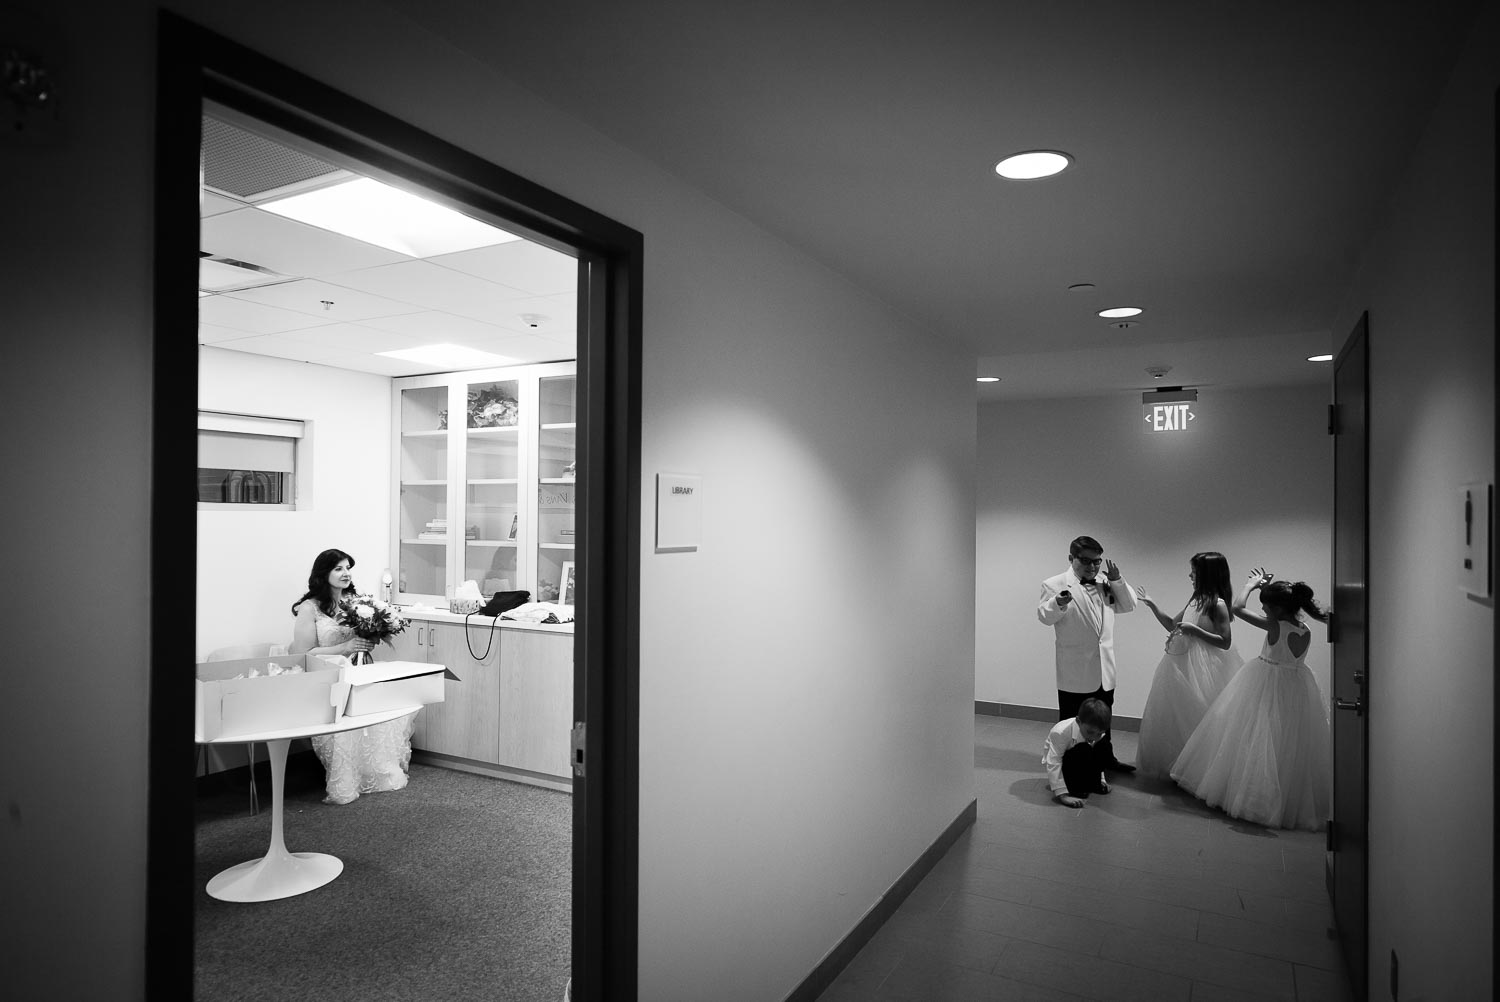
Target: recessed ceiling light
456,355
388,217
1033,164
987,379
1320,358
1122,311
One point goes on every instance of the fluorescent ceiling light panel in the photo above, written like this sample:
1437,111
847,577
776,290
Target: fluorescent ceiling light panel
388,217
456,355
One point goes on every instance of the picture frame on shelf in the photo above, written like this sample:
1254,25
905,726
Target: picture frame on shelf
565,590
515,523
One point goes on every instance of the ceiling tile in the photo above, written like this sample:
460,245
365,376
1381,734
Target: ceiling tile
210,204
253,318
529,267
308,296
436,288
286,246
354,339
288,346
213,334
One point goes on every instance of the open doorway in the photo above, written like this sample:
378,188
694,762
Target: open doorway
204,74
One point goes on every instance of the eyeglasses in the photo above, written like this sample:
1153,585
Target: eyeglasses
1090,561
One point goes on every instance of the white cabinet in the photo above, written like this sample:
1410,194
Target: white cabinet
485,480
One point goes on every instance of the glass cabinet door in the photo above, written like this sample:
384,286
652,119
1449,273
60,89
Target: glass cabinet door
422,505
557,452
493,519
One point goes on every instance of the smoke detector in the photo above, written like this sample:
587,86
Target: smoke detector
1157,371
534,319
1122,324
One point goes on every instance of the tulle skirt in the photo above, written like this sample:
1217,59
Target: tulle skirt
1262,751
371,759
1184,687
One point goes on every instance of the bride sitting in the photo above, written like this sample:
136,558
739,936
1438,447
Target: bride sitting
371,759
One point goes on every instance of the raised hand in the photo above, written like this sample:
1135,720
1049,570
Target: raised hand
1141,596
1111,570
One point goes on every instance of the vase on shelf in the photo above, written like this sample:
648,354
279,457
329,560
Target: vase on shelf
361,658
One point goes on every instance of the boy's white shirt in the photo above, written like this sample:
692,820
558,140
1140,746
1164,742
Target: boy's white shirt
1064,735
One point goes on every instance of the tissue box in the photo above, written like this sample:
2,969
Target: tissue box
227,706
388,685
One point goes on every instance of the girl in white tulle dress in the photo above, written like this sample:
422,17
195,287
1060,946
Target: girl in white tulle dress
371,759
1200,660
1262,751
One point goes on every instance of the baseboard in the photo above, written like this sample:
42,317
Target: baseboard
1021,711
445,761
816,983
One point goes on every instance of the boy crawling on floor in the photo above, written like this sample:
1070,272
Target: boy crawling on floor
1073,770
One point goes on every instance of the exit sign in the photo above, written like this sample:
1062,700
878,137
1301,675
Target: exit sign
1169,410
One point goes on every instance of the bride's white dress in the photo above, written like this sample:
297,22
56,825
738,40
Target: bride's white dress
371,759
1189,678
1262,750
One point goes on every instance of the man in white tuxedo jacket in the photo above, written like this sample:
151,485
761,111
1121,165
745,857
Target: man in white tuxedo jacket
1080,607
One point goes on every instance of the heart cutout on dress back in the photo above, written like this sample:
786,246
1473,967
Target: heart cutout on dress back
1298,644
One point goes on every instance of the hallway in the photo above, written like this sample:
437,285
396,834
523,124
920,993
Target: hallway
1144,895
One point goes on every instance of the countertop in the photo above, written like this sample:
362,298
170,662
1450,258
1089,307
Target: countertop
477,621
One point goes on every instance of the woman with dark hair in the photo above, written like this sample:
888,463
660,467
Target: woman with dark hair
317,630
372,759
1262,751
1198,664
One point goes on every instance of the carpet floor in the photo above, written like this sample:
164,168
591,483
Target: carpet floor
455,888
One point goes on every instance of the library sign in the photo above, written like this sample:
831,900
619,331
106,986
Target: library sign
1169,410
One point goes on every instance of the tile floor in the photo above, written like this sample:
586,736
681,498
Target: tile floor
1146,894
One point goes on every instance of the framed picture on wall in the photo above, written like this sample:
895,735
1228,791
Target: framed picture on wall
566,590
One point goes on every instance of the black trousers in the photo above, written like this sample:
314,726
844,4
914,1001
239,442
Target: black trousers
1067,706
1081,768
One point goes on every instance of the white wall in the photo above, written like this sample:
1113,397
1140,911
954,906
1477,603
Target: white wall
799,747
1252,479
1428,282
252,565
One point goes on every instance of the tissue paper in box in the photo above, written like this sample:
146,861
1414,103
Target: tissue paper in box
227,706
389,685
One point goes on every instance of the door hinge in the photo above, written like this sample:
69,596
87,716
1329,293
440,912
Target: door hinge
578,745
1333,419
1333,842
1333,628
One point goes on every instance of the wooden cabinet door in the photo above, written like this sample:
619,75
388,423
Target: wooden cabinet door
467,722
536,701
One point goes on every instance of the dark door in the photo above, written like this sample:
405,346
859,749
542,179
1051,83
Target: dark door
1347,830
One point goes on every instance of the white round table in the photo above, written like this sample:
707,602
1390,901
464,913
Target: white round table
281,874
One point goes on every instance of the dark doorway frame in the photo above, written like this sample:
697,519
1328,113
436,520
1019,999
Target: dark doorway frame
194,64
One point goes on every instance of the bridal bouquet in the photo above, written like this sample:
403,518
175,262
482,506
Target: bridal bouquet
370,618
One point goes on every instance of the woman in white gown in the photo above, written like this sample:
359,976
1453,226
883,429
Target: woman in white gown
1199,662
1262,751
371,759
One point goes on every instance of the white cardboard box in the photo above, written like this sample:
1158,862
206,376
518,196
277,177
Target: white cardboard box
226,706
387,685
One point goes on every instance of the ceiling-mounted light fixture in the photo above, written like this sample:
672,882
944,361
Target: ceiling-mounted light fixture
388,217
1121,311
1081,287
1320,358
1033,164
987,379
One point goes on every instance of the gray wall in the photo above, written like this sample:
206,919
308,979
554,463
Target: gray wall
798,750
1427,279
1252,479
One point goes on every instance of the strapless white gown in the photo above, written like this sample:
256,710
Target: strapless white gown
371,759
1262,752
1189,678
